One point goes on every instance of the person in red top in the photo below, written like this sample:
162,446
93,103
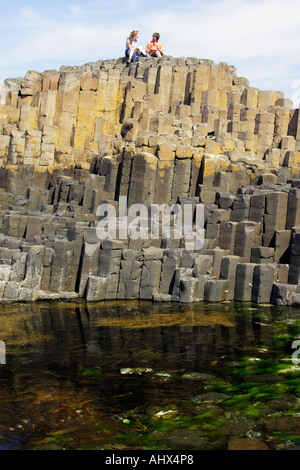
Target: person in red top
155,48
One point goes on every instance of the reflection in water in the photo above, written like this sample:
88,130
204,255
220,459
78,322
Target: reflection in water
135,374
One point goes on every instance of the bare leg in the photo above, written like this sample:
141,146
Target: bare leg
131,51
142,50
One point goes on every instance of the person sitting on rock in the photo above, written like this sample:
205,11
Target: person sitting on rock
155,48
132,49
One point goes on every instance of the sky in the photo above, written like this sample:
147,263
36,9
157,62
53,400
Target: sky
260,38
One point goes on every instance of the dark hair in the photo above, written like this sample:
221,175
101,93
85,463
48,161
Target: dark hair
156,35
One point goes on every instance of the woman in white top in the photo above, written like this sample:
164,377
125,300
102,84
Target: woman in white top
133,50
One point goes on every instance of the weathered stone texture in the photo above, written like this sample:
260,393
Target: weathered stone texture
167,131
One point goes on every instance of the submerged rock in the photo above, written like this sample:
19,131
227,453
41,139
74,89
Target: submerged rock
136,370
286,402
187,439
197,376
284,423
264,378
209,397
246,444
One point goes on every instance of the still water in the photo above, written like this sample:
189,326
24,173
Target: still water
138,375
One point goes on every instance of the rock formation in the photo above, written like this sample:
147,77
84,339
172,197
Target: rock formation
159,132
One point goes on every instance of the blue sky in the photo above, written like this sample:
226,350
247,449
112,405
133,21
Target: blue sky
260,38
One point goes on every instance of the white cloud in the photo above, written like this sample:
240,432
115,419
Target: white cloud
261,38
235,28
28,17
76,11
61,39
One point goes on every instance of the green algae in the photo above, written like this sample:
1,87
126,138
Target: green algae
91,372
